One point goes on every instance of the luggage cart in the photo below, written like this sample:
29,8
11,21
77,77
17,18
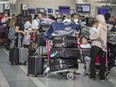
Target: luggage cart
66,67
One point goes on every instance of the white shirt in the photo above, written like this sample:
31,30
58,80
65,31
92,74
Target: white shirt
85,45
93,30
67,21
35,24
27,25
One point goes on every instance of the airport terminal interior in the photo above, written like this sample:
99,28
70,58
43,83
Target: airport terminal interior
57,43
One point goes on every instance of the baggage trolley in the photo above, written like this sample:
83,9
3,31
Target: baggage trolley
64,66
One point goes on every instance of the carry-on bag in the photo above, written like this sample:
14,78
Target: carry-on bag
23,55
32,51
14,56
35,65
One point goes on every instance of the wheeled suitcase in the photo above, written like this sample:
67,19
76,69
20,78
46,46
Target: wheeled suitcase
23,55
35,65
14,56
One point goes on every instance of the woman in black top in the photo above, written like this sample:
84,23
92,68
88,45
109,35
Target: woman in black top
19,30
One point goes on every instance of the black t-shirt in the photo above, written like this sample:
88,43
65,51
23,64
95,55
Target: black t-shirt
20,25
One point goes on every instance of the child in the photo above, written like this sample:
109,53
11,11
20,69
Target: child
85,46
94,29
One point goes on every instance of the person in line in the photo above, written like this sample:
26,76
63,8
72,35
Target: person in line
97,49
11,34
109,23
27,29
19,30
94,29
36,22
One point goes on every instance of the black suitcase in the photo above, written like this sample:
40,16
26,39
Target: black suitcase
14,56
62,64
65,41
71,53
35,65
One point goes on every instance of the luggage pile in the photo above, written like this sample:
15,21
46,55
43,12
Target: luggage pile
64,61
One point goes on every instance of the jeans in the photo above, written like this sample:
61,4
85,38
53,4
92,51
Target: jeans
12,44
87,64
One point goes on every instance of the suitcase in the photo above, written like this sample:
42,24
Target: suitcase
72,53
35,65
23,55
65,41
41,50
14,56
62,64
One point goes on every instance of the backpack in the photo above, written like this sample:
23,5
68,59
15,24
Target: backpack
11,34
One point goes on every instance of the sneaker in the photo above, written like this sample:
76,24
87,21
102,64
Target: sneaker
102,80
86,74
92,78
77,73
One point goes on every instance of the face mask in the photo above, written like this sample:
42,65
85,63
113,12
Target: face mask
10,17
38,20
76,21
5,15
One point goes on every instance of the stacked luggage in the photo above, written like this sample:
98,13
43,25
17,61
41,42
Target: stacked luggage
64,52
63,56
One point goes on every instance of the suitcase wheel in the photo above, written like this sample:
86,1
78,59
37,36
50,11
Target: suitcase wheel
16,63
24,63
27,74
46,74
35,75
12,63
20,63
70,76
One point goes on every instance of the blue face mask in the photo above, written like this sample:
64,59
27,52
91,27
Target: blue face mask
38,20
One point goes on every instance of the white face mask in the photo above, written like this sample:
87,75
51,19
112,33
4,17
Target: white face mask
10,17
76,21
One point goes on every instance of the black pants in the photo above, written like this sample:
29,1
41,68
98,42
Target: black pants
94,52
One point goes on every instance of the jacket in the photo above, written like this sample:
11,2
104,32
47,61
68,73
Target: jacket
102,33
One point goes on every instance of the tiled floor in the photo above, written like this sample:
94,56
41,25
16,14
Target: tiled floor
15,76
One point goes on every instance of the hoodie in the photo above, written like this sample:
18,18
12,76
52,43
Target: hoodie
102,33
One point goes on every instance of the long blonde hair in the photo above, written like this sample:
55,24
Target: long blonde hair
12,22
